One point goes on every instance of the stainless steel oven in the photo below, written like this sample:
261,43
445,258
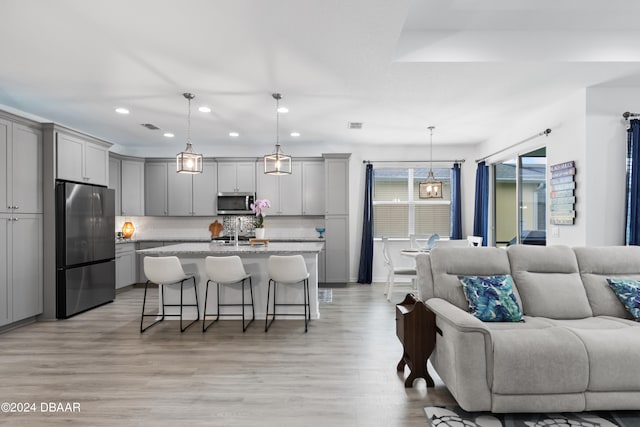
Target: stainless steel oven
235,203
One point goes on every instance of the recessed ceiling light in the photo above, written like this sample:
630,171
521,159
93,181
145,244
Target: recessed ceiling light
283,110
295,134
234,134
121,110
204,109
169,135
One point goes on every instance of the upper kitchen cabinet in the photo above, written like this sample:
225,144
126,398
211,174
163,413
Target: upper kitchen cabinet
177,194
336,178
81,158
204,189
155,188
284,192
234,177
126,177
313,188
115,166
132,193
20,167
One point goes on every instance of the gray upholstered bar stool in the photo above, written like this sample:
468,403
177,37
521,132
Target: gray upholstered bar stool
288,270
227,271
165,271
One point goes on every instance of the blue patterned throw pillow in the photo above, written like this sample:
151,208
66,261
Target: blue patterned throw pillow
628,292
491,299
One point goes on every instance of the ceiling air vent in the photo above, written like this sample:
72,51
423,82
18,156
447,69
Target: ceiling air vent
355,125
150,126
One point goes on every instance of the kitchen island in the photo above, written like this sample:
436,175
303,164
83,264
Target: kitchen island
254,258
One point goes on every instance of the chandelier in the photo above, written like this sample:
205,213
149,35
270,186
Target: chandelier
277,163
188,161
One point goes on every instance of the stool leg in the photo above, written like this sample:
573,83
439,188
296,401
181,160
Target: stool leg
144,301
204,314
244,327
266,317
305,292
181,304
195,290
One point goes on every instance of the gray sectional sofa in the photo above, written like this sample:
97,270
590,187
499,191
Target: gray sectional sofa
577,348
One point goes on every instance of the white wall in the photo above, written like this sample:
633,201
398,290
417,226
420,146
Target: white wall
606,161
566,119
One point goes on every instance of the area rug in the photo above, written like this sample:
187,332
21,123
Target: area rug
325,295
454,416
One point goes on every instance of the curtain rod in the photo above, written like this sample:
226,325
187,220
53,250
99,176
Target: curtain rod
627,114
413,161
545,132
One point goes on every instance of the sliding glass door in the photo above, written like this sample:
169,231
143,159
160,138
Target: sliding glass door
520,199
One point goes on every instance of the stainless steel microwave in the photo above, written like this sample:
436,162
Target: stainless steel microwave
235,203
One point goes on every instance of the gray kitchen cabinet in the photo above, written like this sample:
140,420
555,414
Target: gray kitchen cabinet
337,248
190,195
115,182
313,188
155,188
126,265
234,177
132,188
204,190
21,257
20,168
336,178
81,160
179,194
284,192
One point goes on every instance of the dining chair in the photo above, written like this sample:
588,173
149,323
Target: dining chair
392,271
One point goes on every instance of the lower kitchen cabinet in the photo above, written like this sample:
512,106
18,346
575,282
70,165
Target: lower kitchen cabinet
126,265
21,283
337,248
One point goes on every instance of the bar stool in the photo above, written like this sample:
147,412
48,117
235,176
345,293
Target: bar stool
288,270
226,271
165,271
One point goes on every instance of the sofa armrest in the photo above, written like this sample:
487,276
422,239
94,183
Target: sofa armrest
460,319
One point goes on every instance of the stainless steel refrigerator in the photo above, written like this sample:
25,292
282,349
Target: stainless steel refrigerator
85,247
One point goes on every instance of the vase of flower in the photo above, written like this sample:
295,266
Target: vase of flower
259,207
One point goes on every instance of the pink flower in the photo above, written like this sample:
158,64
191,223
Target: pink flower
259,207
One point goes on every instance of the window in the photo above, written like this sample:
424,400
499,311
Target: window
397,209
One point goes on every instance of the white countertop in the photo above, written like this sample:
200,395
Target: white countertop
216,248
207,240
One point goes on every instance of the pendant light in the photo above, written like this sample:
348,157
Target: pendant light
431,189
277,163
188,161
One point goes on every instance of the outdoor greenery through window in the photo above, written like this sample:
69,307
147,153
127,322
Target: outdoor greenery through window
398,210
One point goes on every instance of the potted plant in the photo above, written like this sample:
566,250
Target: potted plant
259,208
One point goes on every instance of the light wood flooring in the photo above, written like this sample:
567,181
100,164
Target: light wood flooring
341,373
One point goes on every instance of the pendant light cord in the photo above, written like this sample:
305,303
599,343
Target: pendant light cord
431,128
189,123
278,124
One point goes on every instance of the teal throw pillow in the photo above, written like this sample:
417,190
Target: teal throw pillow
628,292
491,299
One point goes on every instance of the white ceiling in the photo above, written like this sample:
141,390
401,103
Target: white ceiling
464,66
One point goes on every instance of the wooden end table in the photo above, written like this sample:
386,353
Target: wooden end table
416,329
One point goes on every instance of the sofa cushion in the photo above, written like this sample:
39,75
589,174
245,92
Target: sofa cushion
600,323
538,361
491,299
548,281
613,357
449,263
596,264
628,292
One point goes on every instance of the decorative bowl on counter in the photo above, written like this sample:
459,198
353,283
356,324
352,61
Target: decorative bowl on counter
320,230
